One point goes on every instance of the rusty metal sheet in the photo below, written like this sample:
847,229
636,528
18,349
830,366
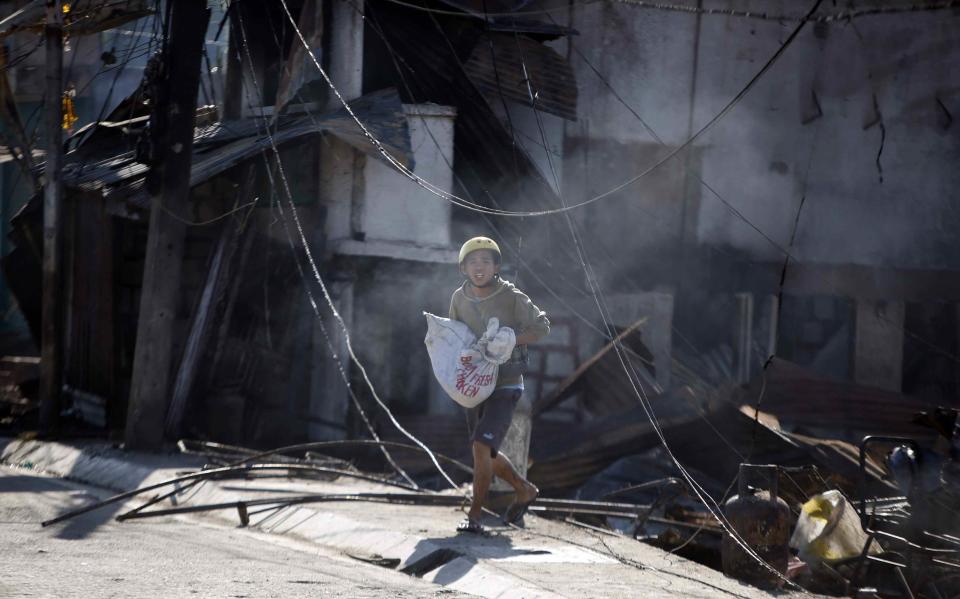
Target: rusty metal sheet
706,434
809,403
602,382
502,64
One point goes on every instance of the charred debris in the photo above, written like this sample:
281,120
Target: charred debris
823,511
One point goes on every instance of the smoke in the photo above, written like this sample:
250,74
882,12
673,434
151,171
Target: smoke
808,135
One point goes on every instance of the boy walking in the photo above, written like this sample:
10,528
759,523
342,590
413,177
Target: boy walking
482,296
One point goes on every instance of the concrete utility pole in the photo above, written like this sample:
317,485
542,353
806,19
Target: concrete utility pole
172,122
51,351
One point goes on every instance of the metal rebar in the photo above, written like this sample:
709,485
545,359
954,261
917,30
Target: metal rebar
623,510
163,497
661,482
407,498
320,445
215,473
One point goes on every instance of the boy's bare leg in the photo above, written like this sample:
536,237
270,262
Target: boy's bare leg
525,490
484,467
482,477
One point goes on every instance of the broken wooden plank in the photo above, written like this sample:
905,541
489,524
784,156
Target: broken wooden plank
618,385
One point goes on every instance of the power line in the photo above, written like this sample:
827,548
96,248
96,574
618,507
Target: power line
372,21
316,272
375,27
435,190
313,303
843,15
701,493
627,366
786,252
591,275
573,311
209,221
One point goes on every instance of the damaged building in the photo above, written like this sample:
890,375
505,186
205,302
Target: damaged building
740,218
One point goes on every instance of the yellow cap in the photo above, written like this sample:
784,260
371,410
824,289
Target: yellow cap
479,243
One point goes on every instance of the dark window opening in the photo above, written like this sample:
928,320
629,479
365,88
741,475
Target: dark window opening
930,363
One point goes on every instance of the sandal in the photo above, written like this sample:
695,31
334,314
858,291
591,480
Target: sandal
471,526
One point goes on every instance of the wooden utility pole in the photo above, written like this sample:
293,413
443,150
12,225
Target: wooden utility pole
172,123
51,350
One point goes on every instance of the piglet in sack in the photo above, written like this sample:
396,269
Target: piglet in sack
467,367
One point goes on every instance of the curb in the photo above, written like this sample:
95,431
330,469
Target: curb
109,468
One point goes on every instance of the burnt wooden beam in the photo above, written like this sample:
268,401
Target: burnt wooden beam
172,127
221,275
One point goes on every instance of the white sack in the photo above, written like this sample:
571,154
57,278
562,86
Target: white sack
498,342
466,367
828,530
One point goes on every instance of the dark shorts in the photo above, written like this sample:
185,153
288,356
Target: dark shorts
488,423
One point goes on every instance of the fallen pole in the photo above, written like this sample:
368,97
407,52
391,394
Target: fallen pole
252,456
595,508
212,474
660,482
287,467
586,511
165,496
400,498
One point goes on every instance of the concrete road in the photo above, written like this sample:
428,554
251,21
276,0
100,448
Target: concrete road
95,557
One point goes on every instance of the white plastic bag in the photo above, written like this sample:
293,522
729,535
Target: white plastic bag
828,530
467,367
497,343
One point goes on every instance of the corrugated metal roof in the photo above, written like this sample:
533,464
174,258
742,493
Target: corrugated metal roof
809,403
502,63
711,436
222,145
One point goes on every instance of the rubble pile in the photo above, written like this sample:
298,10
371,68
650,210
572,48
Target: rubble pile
856,500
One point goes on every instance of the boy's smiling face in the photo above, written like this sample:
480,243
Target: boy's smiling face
480,266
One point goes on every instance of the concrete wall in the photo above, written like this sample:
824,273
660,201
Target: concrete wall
390,239
396,208
656,310
878,352
813,125
369,202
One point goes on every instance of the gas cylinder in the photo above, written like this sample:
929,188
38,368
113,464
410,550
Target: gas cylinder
763,522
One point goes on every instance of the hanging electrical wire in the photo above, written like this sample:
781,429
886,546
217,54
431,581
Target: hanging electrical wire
504,239
313,303
843,15
603,310
591,278
435,190
584,262
329,300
